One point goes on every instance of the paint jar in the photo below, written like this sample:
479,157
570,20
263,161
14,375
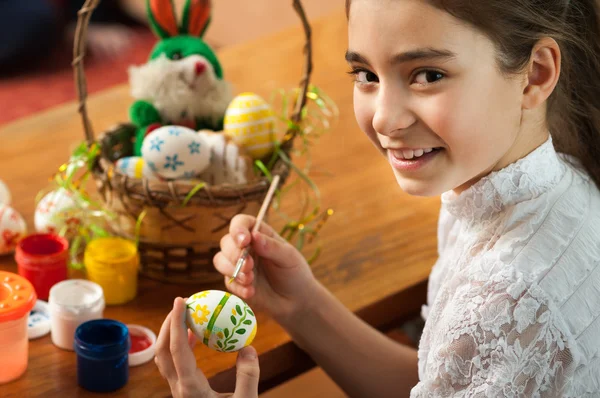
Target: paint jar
17,298
42,259
102,348
113,264
73,302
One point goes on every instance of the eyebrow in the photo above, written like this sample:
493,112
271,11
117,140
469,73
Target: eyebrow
414,55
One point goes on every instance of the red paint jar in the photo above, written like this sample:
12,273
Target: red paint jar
42,259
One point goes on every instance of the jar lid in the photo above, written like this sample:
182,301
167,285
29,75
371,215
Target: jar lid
17,296
38,324
76,295
143,343
111,250
102,339
41,246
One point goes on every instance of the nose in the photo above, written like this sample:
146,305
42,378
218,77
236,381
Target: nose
199,68
392,112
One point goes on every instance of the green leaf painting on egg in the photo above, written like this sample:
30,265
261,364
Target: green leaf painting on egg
233,320
238,309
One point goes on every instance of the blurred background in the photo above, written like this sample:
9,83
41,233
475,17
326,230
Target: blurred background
37,41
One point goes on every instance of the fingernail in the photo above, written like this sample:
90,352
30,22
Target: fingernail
248,354
240,238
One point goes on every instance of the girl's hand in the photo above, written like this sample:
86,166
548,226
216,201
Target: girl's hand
283,281
177,364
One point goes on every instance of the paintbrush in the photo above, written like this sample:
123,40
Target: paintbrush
261,215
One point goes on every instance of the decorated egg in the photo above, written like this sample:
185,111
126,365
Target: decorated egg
4,194
12,229
134,166
250,121
55,211
221,320
175,152
229,164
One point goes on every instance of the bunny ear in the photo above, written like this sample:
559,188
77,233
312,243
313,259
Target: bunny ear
161,14
196,17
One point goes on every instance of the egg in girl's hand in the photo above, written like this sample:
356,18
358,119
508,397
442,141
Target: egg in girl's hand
134,166
55,211
12,229
250,121
4,194
175,152
220,320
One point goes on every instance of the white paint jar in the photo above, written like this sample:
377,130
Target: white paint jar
73,302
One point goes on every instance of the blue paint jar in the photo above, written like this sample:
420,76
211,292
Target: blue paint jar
102,347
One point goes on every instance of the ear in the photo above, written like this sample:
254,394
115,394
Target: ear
196,17
161,14
543,72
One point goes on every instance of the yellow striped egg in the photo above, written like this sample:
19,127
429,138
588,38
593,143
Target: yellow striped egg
221,320
250,122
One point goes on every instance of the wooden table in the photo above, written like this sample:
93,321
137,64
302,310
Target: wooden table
378,247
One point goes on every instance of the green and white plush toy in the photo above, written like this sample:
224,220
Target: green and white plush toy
182,82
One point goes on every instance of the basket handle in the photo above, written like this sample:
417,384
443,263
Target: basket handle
83,21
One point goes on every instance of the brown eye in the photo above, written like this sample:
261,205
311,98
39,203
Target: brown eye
428,77
364,76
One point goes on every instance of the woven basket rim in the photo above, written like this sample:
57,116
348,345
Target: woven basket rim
163,192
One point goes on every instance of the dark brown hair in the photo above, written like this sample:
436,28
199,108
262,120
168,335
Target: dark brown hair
515,27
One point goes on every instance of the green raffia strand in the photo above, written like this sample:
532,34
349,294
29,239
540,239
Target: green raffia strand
193,192
138,226
313,122
72,178
261,166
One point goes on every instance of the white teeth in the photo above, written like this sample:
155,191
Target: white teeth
408,153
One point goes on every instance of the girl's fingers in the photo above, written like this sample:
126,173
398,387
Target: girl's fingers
183,356
163,358
192,339
230,249
225,267
243,292
241,226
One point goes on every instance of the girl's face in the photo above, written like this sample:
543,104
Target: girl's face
425,80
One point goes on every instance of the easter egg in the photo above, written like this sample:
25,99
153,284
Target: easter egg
55,211
229,163
221,320
4,194
250,121
12,229
134,166
175,152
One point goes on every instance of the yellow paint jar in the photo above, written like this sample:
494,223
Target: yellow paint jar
113,264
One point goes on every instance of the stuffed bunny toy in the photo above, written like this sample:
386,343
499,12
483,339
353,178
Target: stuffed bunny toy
182,82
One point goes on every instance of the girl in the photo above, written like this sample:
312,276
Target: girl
496,106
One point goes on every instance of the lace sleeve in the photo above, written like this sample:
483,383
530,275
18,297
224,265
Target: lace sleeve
501,340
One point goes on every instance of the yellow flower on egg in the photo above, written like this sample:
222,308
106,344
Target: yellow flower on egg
200,314
200,295
233,311
220,335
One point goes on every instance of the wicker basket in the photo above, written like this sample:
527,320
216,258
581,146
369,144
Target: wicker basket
176,243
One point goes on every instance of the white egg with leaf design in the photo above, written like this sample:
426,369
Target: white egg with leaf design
221,320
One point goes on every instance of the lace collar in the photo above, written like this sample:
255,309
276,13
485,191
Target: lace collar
523,180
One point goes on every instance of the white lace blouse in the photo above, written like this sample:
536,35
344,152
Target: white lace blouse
514,299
